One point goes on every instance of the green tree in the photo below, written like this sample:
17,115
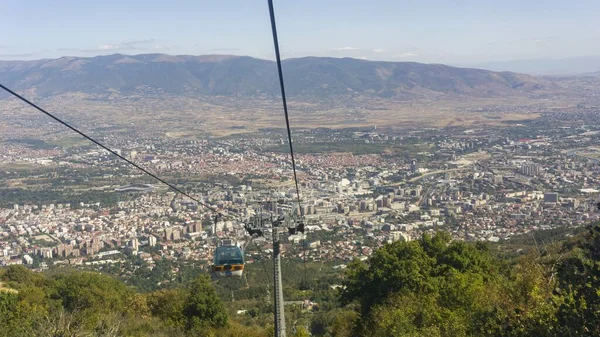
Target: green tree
168,305
9,319
203,308
90,291
401,266
17,274
579,280
430,286
301,332
337,322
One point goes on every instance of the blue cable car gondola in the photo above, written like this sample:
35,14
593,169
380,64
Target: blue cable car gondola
229,260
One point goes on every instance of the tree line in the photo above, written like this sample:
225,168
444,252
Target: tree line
432,286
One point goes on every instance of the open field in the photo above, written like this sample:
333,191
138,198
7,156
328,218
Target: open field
194,118
17,166
69,141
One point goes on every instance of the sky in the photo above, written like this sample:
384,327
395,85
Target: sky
431,31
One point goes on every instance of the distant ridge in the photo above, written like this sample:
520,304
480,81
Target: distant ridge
547,66
242,75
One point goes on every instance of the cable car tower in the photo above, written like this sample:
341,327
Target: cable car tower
279,224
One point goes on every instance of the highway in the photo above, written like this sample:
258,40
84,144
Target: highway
428,174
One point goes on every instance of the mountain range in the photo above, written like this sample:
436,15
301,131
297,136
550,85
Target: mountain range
241,75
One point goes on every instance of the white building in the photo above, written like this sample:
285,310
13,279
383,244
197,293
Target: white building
27,259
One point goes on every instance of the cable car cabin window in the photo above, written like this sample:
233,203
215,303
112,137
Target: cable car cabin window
228,255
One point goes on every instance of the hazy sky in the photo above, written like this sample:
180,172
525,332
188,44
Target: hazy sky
445,31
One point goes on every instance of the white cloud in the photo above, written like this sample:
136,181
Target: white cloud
17,55
137,42
548,39
160,47
219,49
109,47
346,49
535,39
140,45
405,55
378,50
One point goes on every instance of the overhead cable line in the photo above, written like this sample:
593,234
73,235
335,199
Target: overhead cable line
285,109
287,121
173,187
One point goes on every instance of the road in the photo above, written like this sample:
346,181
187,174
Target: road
428,174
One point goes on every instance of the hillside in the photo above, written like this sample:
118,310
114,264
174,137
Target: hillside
239,75
431,286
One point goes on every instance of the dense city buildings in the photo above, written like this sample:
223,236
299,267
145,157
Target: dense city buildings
359,190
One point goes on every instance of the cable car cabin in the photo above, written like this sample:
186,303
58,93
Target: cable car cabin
229,260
